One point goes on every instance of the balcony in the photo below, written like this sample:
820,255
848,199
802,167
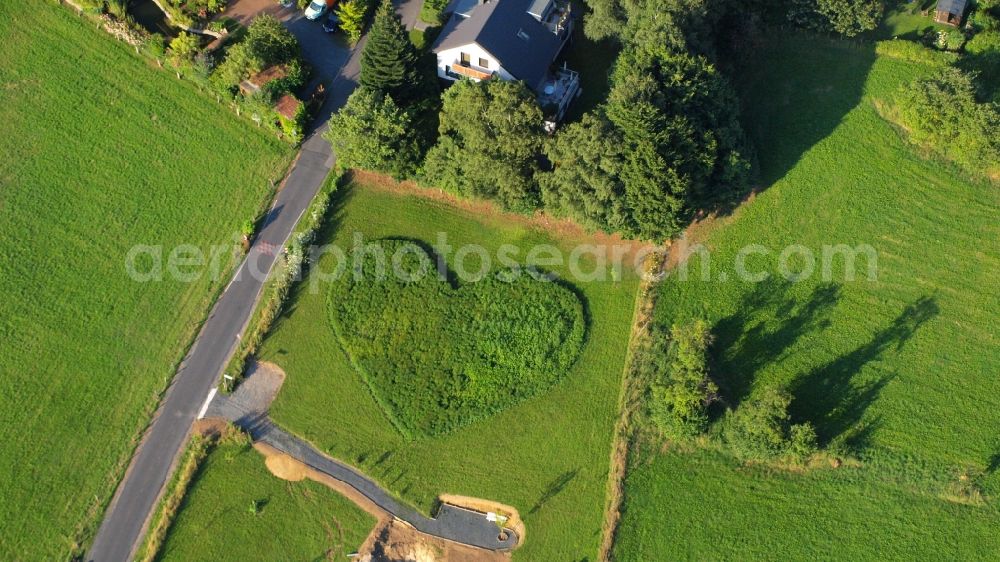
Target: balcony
559,20
557,93
465,70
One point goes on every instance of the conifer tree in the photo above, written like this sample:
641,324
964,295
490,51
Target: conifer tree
389,61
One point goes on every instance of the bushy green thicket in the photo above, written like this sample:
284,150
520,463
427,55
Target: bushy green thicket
437,358
912,51
677,363
941,112
760,430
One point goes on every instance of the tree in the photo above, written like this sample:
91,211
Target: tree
371,132
682,389
269,42
389,62
490,137
678,24
584,184
183,47
760,430
352,15
846,17
682,138
851,17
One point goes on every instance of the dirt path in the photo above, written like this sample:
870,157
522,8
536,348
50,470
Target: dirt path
629,400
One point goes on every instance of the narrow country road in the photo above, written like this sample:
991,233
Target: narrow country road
128,514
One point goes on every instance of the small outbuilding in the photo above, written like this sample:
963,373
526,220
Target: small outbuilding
253,84
288,107
950,12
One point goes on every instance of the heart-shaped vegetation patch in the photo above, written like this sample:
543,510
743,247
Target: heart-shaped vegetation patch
436,356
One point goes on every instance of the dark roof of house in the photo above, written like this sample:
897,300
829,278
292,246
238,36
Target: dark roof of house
524,46
956,7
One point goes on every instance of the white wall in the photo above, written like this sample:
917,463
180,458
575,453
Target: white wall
452,57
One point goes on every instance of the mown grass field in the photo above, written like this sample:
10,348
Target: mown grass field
295,520
100,152
901,372
547,456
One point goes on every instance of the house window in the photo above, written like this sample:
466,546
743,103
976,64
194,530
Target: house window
484,63
466,59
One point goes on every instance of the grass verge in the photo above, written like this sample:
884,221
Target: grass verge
235,509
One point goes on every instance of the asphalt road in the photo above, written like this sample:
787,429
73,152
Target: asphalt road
128,514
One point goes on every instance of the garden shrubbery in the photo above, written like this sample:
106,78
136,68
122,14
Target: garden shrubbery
437,357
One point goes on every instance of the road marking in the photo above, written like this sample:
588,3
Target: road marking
204,408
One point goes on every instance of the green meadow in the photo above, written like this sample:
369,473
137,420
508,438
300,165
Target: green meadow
237,510
101,151
898,372
547,455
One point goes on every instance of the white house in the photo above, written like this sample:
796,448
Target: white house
511,40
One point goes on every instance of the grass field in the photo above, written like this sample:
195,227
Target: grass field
904,20
900,371
546,456
100,152
296,520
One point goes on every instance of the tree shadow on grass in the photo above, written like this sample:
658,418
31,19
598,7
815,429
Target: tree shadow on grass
834,401
553,489
767,323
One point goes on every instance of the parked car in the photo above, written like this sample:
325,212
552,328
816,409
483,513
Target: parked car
332,23
316,9
286,3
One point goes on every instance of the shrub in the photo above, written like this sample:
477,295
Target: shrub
951,40
183,48
682,389
941,112
913,52
286,272
155,46
760,430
